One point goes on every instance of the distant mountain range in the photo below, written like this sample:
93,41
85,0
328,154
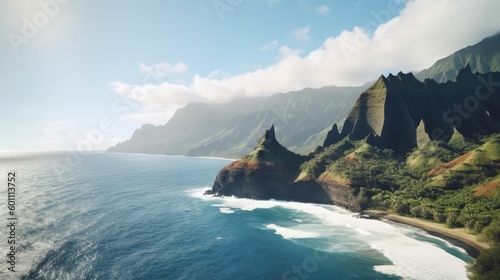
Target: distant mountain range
230,129
303,117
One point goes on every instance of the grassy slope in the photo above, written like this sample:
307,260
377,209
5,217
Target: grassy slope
470,168
385,180
454,183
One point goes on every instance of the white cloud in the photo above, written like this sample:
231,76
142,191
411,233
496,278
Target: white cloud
270,46
322,10
301,34
162,69
286,51
218,74
423,32
158,101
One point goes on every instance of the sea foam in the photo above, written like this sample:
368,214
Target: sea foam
290,233
410,258
226,210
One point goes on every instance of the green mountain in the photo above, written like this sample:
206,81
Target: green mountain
398,112
483,57
470,168
425,149
429,150
228,129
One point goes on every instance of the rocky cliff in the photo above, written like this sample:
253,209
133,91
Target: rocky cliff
399,111
273,172
303,117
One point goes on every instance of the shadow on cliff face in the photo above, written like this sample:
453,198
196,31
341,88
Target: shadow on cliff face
271,172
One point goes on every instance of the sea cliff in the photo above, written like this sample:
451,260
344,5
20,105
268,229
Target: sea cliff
273,172
398,131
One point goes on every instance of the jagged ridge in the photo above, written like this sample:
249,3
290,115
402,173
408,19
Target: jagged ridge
271,172
391,112
388,115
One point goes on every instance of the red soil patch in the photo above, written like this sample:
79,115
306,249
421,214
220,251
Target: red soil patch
329,179
351,159
440,168
242,165
239,164
487,190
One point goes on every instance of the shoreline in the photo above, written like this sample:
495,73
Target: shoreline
439,230
182,156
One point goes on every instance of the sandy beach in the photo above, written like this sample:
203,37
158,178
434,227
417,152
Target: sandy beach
460,234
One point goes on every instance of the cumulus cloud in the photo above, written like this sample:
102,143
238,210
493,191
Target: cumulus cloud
286,51
158,101
301,34
162,69
322,10
270,46
405,38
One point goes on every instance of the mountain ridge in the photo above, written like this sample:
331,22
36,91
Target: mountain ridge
395,106
383,123
483,57
205,129
226,129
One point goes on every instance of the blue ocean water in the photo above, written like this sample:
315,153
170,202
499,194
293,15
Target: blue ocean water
132,216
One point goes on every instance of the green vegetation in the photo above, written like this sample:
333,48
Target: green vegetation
487,265
483,57
316,165
455,183
491,232
434,182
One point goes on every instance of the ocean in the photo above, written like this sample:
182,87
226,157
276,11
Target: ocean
133,216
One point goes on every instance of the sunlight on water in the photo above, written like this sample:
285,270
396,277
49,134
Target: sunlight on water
118,216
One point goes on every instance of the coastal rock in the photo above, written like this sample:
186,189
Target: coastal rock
272,172
339,191
398,112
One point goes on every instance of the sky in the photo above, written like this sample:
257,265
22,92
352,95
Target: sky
84,74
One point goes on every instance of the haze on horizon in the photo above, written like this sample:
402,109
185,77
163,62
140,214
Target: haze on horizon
73,68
